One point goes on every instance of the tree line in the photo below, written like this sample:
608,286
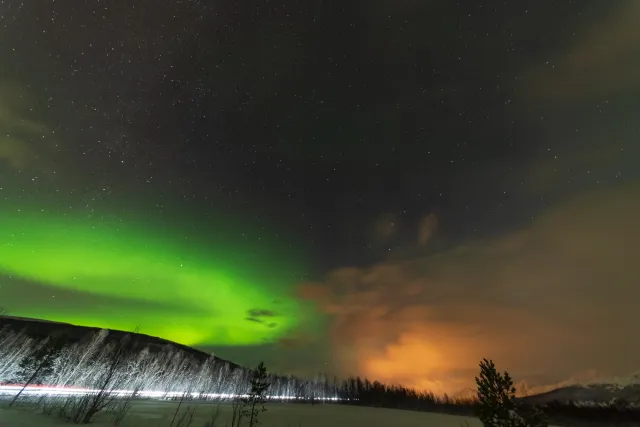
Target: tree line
123,369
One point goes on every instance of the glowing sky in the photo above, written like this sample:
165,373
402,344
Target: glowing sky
396,190
176,289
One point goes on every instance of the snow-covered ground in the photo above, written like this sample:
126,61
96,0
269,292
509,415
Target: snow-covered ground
159,414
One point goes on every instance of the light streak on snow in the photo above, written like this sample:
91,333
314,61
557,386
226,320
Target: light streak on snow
70,391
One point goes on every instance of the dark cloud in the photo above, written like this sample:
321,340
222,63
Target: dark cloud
260,312
262,316
599,59
427,227
25,142
384,227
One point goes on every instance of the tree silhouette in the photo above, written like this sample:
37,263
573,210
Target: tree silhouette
496,395
254,403
497,405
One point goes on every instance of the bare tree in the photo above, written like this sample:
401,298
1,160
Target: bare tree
13,347
236,412
238,403
175,415
215,415
113,358
77,364
187,416
120,407
40,362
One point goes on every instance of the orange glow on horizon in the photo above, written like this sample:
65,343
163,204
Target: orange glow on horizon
416,362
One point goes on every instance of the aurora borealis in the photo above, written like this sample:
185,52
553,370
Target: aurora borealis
392,191
191,295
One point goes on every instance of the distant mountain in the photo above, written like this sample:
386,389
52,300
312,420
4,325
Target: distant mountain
597,393
38,328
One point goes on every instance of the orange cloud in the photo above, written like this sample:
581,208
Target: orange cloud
547,303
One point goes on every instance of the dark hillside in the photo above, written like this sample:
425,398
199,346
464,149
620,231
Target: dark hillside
41,329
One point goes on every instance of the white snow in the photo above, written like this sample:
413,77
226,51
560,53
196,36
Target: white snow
157,414
152,413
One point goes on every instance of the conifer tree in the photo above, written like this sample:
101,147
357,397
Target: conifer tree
254,403
497,401
496,394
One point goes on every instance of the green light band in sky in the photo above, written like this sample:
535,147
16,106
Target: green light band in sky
194,295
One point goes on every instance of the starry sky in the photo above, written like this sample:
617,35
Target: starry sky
390,189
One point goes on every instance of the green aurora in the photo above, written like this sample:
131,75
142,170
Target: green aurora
171,285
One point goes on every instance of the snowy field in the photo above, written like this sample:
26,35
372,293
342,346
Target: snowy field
159,414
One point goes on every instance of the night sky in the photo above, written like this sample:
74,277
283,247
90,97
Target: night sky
394,189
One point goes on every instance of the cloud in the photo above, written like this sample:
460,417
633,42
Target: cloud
590,162
14,151
602,59
385,227
427,228
547,303
262,316
261,312
24,142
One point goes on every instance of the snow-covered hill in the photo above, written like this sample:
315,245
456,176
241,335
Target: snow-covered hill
596,393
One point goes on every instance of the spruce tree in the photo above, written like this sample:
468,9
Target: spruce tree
497,401
254,403
496,395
